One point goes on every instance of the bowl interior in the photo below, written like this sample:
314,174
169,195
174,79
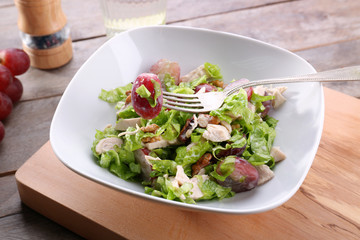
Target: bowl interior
125,56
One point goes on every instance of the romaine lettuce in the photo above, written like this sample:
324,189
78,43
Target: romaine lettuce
115,95
186,156
212,190
213,70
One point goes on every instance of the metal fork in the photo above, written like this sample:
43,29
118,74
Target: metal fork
206,102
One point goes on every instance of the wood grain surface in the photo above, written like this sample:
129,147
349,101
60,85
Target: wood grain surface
321,209
326,33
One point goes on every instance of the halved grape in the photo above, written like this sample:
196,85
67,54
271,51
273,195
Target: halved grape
267,104
146,95
208,87
243,178
231,152
249,92
164,66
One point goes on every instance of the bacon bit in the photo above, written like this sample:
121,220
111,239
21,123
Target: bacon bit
128,100
128,92
201,163
218,83
151,128
151,139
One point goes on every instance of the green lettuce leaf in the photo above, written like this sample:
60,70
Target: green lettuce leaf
235,106
260,141
183,87
237,140
128,112
257,101
169,83
213,190
186,157
116,94
162,167
106,133
120,162
133,141
170,122
213,70
226,168
165,189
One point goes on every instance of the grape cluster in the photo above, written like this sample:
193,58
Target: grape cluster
13,62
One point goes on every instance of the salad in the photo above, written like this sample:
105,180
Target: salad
190,157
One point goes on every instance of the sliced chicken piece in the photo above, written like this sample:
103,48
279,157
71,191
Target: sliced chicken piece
226,125
145,165
204,119
182,178
174,182
281,89
107,144
265,174
158,144
196,193
194,74
216,133
277,154
279,99
123,124
260,90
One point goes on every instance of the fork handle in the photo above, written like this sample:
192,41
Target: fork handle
335,75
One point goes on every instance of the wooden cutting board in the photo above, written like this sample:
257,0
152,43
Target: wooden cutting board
327,205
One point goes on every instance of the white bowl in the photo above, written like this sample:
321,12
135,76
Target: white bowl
128,54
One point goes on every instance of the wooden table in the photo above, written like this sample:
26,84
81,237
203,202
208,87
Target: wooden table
324,32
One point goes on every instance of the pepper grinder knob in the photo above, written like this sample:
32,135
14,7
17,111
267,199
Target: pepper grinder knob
44,32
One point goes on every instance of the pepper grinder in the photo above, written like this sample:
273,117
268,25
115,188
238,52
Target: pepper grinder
44,32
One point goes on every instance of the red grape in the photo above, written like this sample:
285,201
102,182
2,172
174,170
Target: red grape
249,92
6,78
243,178
164,66
231,151
267,104
14,90
208,87
16,60
5,105
141,104
236,83
2,131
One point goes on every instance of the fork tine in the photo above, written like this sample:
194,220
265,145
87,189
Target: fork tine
190,110
185,100
198,105
179,95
